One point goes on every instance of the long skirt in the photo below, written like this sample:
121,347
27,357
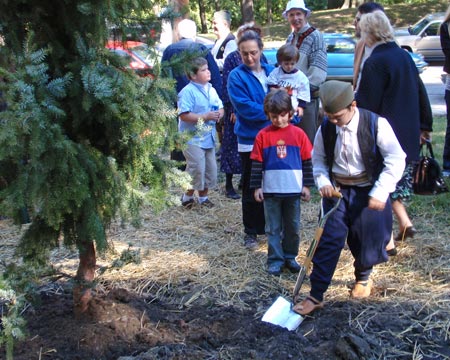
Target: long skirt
230,161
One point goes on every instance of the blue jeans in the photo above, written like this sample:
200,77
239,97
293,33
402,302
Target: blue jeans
282,215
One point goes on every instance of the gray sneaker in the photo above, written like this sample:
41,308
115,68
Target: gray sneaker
250,241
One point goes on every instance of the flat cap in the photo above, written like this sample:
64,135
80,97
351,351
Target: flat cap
335,95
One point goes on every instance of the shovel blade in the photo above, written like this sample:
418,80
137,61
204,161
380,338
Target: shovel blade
281,314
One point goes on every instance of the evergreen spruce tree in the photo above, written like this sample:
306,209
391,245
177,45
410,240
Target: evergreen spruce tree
78,134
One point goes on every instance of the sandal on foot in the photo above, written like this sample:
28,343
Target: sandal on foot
361,289
307,306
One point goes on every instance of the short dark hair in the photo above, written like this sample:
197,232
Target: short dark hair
277,101
369,7
196,64
287,53
251,35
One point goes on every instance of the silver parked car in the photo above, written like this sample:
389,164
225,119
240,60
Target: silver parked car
423,37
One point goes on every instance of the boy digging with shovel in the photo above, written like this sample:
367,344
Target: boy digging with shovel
357,153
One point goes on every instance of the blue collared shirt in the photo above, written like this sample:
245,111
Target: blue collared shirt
199,99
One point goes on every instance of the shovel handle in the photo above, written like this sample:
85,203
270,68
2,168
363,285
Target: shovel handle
304,269
336,194
298,284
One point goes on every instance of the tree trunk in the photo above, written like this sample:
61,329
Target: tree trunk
182,7
335,4
247,11
347,4
84,278
269,11
202,11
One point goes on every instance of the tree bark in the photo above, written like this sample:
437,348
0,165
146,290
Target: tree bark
247,11
202,11
84,278
335,4
347,4
269,11
182,7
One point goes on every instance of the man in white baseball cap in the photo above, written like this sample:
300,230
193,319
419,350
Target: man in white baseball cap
313,59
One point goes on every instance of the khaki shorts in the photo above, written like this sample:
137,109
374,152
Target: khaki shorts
202,166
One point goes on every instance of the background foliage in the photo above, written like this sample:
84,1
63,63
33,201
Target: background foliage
334,19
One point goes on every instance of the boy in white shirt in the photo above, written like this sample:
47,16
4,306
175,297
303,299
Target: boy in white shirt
356,152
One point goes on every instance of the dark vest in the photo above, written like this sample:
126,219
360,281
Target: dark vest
367,139
224,44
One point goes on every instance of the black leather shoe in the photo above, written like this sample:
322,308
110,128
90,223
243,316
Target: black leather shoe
274,270
408,232
392,252
292,265
231,194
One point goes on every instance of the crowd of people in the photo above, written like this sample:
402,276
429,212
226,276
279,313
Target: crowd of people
286,129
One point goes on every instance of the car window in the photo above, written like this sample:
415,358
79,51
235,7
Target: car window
418,27
433,29
123,54
340,45
145,54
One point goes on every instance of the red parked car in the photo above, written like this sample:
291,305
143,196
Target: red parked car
137,54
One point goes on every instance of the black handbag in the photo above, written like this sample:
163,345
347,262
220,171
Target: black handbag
427,179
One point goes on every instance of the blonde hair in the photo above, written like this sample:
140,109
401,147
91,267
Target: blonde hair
376,27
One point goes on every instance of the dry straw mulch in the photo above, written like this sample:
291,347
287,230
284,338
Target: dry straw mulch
197,257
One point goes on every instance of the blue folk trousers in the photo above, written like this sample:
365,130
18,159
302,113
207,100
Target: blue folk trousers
367,233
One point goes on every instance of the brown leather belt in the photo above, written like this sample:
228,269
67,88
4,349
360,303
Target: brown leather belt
314,94
356,180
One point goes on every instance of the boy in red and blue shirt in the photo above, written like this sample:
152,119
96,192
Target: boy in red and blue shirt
281,176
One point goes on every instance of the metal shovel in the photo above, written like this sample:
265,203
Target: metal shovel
281,313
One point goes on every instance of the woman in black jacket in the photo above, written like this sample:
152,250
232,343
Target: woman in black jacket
445,43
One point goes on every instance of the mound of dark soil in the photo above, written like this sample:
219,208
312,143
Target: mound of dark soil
124,326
